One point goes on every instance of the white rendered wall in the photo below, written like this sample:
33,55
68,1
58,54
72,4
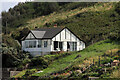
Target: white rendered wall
38,51
69,38
50,47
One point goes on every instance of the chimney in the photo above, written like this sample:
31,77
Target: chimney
55,25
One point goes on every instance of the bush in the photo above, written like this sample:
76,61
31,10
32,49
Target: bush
98,69
39,61
25,61
95,74
11,57
106,61
105,75
116,57
10,42
29,72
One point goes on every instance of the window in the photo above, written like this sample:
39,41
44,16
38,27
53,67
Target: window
61,46
45,43
72,46
39,43
75,46
58,45
34,43
26,44
55,45
30,44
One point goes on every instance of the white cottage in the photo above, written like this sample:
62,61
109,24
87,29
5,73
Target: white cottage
45,40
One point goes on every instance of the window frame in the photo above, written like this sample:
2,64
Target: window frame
30,44
39,43
45,44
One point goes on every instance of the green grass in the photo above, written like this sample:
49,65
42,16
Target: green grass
20,74
91,51
63,62
94,50
53,17
94,23
115,74
23,72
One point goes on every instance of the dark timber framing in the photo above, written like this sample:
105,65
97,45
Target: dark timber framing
60,36
53,36
65,33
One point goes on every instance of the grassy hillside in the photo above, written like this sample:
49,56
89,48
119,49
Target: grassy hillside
93,23
53,17
71,63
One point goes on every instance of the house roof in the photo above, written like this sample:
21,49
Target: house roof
38,34
46,32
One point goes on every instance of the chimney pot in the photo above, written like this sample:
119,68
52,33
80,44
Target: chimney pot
55,25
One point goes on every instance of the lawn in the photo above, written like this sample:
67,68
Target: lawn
94,50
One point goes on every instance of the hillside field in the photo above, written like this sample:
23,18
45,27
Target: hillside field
70,61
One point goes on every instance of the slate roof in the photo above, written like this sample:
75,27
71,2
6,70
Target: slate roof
38,34
47,33
44,33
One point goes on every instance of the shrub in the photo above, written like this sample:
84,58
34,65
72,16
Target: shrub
116,57
10,42
106,61
29,72
39,61
25,61
105,75
96,74
98,69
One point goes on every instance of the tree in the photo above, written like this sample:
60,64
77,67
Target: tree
117,9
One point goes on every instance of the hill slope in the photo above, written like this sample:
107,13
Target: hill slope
91,24
71,63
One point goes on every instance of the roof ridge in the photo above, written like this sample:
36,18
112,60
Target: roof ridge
48,27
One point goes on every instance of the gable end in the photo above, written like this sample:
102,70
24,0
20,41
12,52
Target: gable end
27,36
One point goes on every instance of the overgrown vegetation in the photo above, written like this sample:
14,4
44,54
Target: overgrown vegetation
92,22
71,62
